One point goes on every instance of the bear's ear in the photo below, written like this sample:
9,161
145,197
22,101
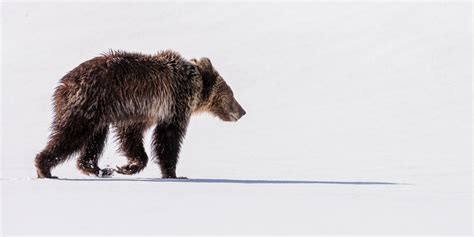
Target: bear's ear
207,73
193,60
206,62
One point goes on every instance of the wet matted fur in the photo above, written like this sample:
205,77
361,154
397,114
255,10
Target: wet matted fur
131,92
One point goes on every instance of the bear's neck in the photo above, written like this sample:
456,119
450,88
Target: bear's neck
205,98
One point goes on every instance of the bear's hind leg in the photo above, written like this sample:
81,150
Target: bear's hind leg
62,143
130,137
91,152
45,161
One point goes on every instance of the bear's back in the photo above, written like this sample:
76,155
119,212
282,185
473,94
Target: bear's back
121,85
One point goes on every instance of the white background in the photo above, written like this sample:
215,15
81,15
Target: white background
358,119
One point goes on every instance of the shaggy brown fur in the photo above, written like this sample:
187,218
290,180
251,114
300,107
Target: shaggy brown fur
132,92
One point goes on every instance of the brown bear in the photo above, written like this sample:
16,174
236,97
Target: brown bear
131,92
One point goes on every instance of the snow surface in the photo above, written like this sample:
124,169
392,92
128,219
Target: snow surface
358,119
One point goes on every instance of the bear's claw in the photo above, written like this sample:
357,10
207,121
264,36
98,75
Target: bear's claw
174,177
128,169
105,173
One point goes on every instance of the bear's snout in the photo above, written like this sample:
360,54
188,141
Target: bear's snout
241,112
238,113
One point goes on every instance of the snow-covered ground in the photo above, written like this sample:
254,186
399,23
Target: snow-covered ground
358,119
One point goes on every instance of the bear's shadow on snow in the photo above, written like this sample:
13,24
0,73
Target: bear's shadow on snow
232,181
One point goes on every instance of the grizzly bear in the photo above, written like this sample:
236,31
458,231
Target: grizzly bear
131,92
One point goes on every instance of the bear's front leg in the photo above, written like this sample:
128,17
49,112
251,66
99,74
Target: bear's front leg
167,140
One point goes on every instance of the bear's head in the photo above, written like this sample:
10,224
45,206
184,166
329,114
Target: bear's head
217,98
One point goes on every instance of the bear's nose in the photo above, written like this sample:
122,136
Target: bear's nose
242,112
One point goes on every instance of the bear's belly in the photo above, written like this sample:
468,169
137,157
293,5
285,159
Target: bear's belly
149,112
